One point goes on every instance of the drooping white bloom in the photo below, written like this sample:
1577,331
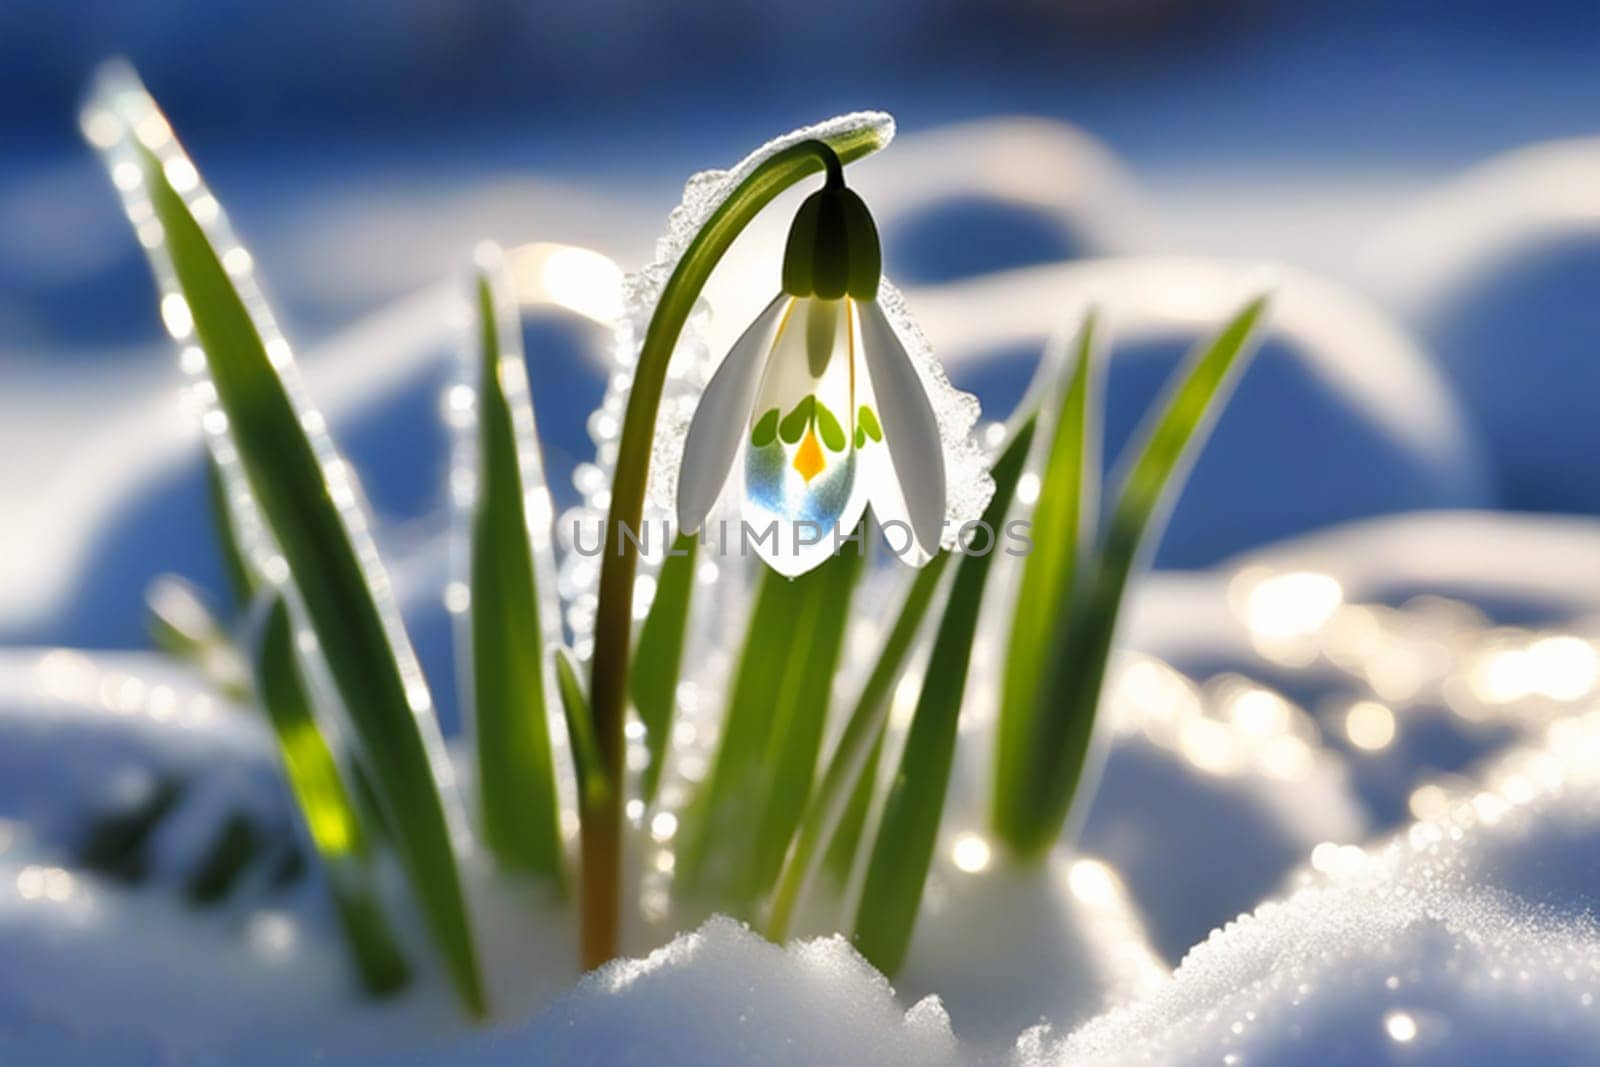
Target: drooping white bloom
829,411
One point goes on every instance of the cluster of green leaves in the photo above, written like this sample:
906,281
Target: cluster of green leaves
1061,635
372,782
1073,584
764,823
772,817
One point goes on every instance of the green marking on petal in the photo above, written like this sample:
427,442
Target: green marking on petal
829,429
793,426
861,438
766,429
869,423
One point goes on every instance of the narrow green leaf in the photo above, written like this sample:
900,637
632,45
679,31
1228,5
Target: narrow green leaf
903,850
593,783
839,862
1062,523
739,825
331,820
800,714
720,810
1043,791
505,625
306,500
838,810
658,658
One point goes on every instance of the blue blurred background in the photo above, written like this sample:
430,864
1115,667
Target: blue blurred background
360,148
280,101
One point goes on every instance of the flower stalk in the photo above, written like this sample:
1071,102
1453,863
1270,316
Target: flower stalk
601,828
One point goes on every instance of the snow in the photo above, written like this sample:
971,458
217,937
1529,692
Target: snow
261,978
724,995
1215,792
1466,938
971,198
1232,787
128,721
1495,269
1004,948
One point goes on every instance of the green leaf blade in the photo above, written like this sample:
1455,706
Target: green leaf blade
740,823
332,823
594,784
837,813
505,625
284,458
240,581
1059,747
908,830
658,658
1064,511
800,719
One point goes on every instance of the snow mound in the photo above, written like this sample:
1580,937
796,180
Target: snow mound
723,995
822,1004
1495,268
1004,948
1228,784
1467,938
1345,976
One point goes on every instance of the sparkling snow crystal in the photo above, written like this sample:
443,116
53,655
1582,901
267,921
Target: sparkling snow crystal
1467,938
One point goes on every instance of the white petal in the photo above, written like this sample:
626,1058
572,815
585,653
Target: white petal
719,420
807,515
910,429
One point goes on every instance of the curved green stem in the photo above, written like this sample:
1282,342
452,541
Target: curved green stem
601,836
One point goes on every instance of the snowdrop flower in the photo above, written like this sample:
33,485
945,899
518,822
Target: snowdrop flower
822,399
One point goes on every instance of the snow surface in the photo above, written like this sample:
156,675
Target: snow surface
1214,794
1467,938
1003,948
724,995
1332,366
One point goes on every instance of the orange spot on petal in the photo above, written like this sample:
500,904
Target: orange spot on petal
808,458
